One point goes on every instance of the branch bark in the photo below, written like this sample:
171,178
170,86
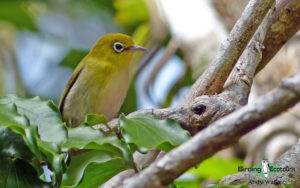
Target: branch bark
217,136
213,79
285,23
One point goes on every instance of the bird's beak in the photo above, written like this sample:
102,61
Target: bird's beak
137,48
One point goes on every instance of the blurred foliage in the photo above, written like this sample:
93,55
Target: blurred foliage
287,186
106,4
14,12
73,58
216,168
131,13
141,34
226,186
212,169
186,183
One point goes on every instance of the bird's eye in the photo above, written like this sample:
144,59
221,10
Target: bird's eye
118,47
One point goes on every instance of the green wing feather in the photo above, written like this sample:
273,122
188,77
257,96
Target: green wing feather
69,85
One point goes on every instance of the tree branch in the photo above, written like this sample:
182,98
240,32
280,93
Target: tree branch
217,136
285,23
213,79
240,79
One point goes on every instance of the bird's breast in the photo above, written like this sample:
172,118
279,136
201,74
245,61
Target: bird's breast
110,98
96,92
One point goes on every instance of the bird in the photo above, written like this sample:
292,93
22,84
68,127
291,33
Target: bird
100,81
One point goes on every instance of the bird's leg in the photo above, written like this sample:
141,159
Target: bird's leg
107,126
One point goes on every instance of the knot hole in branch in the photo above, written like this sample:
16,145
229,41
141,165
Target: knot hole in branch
199,109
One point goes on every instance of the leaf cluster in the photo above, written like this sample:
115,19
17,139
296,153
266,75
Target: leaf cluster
35,145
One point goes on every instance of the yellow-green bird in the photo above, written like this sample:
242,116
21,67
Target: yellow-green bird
100,82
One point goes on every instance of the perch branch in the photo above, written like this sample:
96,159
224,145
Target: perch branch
220,134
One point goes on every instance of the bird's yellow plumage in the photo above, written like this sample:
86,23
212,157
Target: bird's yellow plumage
100,81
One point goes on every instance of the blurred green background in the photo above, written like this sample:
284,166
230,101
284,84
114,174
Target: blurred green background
42,41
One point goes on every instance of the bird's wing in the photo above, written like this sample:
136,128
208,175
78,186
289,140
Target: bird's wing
70,83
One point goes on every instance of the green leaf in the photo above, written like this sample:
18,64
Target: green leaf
54,158
131,12
11,119
94,119
92,169
15,13
90,138
11,145
44,114
108,157
17,138
19,174
148,133
9,116
73,57
5,165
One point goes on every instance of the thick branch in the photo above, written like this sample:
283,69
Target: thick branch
285,23
217,136
240,79
237,87
213,79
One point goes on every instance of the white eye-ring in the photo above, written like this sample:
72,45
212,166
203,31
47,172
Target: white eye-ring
118,47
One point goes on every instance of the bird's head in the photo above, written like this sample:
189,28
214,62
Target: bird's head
116,47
